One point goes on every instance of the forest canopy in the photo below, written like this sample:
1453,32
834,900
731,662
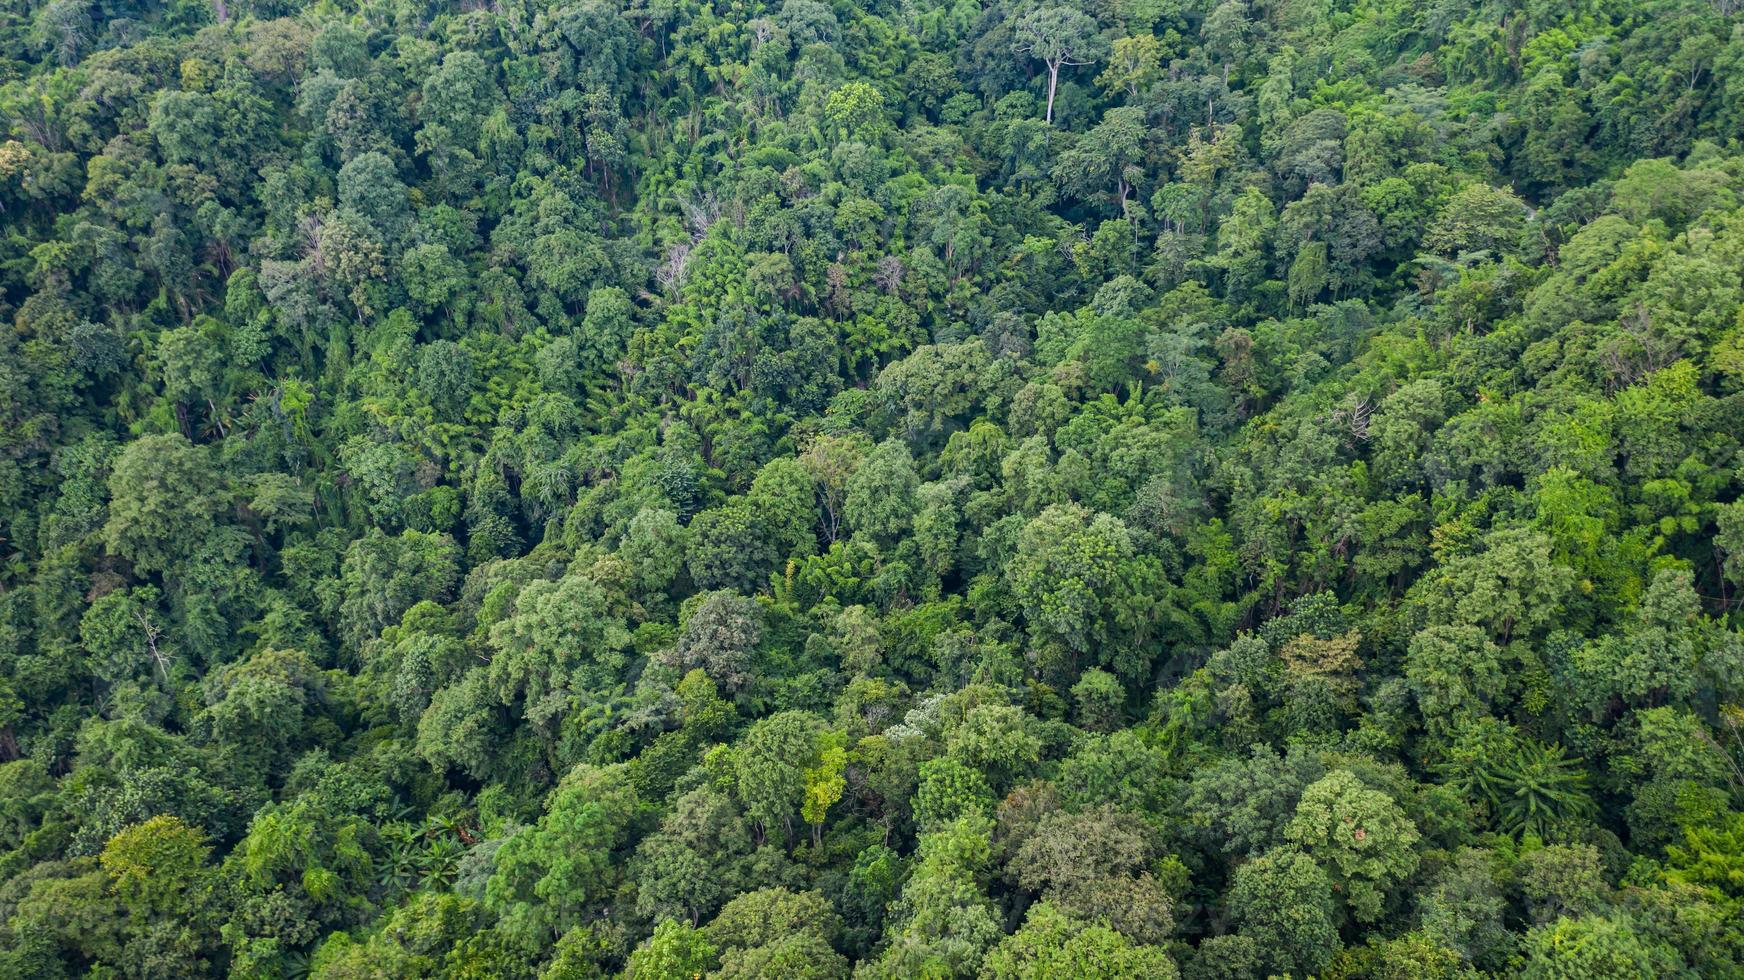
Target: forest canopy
834,489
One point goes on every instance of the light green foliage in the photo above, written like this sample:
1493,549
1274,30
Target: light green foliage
1053,944
949,790
1080,584
549,875
773,758
824,782
1099,700
459,727
1594,946
416,938
653,546
943,923
1359,835
1710,856
674,952
158,867
564,638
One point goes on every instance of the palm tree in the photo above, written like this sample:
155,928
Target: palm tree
1531,787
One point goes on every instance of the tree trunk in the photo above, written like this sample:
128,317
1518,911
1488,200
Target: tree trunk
1053,81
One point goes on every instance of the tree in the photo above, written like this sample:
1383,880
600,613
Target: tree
1134,64
417,937
1283,901
696,861
1069,849
1091,865
674,952
258,710
1058,37
122,638
729,549
1513,588
548,876
1595,946
1359,835
775,932
1479,218
720,638
385,576
1100,701
832,461
564,638
824,784
1053,944
1654,654
1454,671
460,728
164,494
1563,880
943,924
773,757
1710,856
879,501
432,276
856,111
949,790
653,546
1241,806
1529,786
783,498
1111,153
1463,908
369,186
995,740
158,868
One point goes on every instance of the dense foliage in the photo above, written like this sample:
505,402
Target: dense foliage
817,488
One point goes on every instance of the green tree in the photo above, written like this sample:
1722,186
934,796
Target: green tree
1058,37
1081,583
1595,946
674,952
1359,835
564,638
1283,901
550,876
164,495
1134,64
1053,944
772,759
